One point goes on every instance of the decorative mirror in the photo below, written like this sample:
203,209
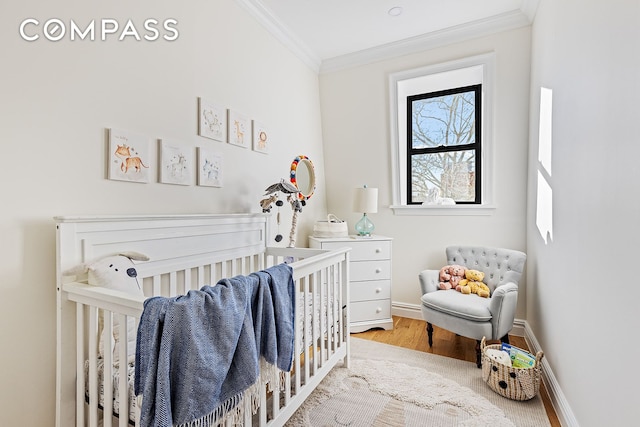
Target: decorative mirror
303,184
303,176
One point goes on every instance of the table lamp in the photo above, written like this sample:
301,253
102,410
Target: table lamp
365,201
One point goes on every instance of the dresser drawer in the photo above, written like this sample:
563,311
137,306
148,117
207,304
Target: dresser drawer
370,310
370,290
363,249
370,270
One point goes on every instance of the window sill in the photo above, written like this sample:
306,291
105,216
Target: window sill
448,210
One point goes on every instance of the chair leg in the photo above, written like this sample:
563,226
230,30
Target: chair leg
505,339
430,333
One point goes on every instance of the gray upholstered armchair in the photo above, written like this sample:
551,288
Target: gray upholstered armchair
470,315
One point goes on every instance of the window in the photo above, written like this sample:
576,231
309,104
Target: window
441,131
443,143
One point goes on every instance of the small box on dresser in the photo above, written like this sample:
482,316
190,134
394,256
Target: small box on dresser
370,277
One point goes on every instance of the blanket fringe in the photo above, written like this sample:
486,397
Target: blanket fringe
228,408
233,410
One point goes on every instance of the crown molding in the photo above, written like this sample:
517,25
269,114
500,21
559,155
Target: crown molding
281,32
459,33
483,27
529,8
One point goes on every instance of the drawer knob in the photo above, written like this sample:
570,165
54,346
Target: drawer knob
378,270
378,250
378,290
379,309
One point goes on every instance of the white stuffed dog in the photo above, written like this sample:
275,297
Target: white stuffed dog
116,272
113,272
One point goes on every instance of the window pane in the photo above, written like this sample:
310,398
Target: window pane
450,174
445,120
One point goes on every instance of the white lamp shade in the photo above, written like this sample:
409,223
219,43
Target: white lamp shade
365,200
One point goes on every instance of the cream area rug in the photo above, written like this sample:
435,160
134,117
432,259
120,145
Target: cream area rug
392,386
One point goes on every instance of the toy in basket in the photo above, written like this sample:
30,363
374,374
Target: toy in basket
519,380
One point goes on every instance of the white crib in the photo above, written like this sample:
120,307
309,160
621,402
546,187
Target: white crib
186,252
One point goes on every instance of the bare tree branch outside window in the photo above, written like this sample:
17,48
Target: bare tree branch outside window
443,145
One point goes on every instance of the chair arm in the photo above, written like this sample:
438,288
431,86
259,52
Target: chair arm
429,280
502,306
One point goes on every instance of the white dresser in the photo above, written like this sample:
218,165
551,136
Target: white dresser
370,276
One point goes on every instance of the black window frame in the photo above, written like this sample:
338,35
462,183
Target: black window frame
476,146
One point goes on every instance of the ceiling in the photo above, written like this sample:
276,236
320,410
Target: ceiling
330,32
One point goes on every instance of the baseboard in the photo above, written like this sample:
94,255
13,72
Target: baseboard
521,329
410,311
557,397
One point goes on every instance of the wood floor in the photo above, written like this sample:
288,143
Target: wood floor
412,334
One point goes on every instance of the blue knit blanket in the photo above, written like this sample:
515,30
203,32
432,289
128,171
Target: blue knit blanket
198,356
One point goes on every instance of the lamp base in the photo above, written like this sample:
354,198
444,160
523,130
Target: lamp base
364,227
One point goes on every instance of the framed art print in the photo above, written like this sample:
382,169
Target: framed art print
260,138
176,163
128,157
212,120
238,129
210,168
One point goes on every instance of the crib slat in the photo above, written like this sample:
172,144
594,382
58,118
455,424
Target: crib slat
287,388
299,345
107,374
345,318
331,294
123,380
248,415
187,280
94,395
324,318
80,357
335,283
331,303
215,273
173,287
234,267
317,320
156,280
263,407
199,277
275,400
307,325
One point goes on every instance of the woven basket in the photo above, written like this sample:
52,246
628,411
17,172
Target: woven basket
508,381
332,227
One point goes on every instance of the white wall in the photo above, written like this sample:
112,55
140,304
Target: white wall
587,55
56,101
355,120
